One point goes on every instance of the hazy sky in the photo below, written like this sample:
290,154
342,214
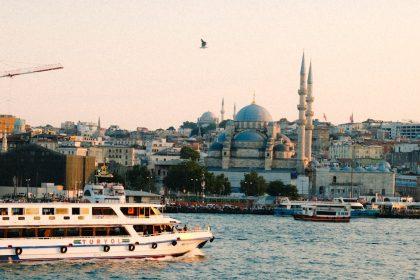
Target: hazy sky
138,63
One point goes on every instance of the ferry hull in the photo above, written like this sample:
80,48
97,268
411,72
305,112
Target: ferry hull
42,251
321,218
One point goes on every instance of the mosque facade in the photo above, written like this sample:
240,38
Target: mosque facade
254,141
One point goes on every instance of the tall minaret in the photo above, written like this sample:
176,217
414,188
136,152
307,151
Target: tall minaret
309,114
222,111
302,108
234,111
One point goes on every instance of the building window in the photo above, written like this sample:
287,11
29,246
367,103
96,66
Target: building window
383,191
335,179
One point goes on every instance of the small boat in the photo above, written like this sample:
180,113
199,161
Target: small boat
288,207
324,212
357,208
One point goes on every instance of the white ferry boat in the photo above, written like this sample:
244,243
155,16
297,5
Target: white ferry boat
104,192
324,212
40,231
288,207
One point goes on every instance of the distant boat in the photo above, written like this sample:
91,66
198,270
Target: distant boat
324,212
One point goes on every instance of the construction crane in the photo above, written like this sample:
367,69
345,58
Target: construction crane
23,71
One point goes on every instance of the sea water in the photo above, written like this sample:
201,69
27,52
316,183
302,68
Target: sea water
263,247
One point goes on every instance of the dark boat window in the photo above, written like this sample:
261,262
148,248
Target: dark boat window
58,232
4,211
2,233
87,232
86,193
115,231
47,211
75,211
100,231
17,211
14,233
72,232
29,232
105,211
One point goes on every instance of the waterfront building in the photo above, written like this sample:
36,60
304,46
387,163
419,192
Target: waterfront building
408,185
32,165
344,181
409,130
7,124
349,150
86,128
253,141
156,145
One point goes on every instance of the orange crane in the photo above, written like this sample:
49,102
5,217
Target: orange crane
23,71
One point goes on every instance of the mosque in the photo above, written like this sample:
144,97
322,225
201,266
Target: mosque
254,142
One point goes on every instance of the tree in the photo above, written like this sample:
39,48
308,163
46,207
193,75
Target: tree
185,176
140,178
189,153
188,124
277,188
253,185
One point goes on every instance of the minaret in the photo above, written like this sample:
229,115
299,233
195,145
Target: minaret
234,111
4,143
301,107
222,112
309,114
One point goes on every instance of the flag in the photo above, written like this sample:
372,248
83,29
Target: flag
325,117
351,118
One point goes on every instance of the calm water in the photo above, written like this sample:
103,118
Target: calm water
264,247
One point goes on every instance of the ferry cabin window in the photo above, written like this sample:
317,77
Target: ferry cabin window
29,232
105,211
72,232
58,232
13,233
47,211
62,211
87,232
115,231
32,211
4,211
17,211
101,231
75,211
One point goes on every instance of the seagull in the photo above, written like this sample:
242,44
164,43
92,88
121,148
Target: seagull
203,44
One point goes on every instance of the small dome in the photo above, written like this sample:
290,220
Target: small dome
208,117
383,167
248,135
216,146
346,168
359,169
253,113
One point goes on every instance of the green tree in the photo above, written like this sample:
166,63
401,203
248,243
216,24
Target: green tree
140,178
278,188
291,192
253,185
188,124
185,176
189,153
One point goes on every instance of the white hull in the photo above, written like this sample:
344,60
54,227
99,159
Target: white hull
33,249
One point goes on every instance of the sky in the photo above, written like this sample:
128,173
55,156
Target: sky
139,63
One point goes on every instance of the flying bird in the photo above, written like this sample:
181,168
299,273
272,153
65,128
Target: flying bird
203,44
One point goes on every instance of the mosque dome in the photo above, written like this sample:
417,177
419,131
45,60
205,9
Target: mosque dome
218,143
208,117
253,113
249,135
